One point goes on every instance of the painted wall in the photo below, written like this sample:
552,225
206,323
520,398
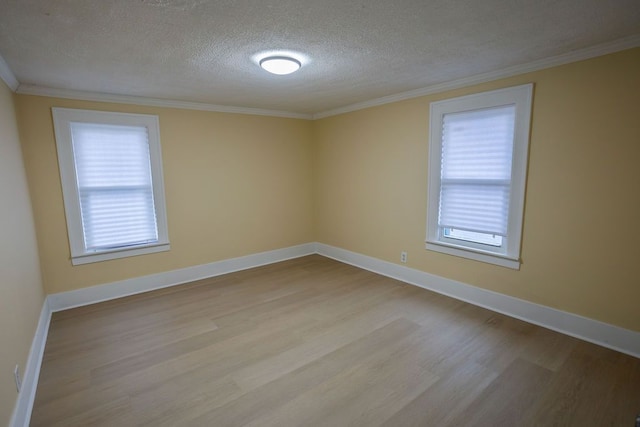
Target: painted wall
235,185
581,234
21,295
239,184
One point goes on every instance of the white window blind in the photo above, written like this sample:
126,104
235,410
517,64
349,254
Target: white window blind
475,184
115,188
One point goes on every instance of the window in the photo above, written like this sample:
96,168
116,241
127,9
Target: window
478,149
111,172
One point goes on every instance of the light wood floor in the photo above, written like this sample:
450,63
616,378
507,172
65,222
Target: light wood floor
312,342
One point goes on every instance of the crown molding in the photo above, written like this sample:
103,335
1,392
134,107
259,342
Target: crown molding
152,102
7,75
554,61
578,55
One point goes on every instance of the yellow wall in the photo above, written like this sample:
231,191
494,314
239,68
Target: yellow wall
21,293
235,185
581,233
239,184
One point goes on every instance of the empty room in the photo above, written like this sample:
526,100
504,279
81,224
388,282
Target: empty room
319,213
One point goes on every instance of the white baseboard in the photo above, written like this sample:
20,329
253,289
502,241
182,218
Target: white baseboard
136,285
61,301
24,404
604,334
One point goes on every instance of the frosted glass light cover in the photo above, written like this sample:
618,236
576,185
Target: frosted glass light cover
280,65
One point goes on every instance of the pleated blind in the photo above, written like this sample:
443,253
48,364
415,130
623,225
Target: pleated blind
113,172
477,151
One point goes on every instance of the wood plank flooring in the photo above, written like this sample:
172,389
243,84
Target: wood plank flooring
314,342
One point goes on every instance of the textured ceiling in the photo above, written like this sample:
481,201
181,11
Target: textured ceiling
352,51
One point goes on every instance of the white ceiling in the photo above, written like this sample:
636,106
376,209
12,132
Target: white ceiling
352,51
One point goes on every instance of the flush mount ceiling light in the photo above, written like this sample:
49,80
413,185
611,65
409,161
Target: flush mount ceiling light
280,65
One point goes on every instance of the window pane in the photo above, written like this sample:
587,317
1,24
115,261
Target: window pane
475,207
478,144
114,184
108,155
115,218
477,150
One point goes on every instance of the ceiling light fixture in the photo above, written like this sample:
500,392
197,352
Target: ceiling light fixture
280,65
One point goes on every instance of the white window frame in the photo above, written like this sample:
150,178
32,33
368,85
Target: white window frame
62,119
507,255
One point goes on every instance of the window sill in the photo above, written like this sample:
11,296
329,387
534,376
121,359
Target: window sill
119,253
474,254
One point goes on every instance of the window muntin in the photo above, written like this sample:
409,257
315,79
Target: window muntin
111,170
477,169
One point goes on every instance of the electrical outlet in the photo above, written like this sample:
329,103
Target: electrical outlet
16,375
403,257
